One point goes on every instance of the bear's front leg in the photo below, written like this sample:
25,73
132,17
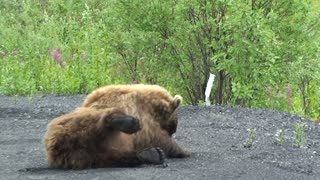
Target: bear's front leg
172,149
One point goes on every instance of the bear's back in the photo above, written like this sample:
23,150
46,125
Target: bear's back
113,94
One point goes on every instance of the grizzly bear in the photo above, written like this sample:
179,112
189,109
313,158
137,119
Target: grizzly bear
118,125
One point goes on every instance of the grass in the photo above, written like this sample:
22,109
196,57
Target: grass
252,138
299,138
280,137
56,48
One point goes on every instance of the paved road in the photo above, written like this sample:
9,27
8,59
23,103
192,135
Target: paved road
215,135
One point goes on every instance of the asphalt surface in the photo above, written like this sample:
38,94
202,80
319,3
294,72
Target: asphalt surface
215,135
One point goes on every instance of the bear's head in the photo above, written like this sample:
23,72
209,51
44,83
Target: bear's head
165,112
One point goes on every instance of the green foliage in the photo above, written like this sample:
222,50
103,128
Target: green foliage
279,137
299,138
32,30
263,53
252,138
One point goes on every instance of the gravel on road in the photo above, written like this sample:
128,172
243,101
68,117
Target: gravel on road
215,135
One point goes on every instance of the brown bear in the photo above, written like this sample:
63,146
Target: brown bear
124,125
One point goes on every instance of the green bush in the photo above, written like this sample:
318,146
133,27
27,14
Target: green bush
263,53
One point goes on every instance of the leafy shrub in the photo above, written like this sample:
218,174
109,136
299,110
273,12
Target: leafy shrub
263,53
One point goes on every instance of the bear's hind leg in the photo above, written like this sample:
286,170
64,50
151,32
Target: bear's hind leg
146,156
151,155
121,122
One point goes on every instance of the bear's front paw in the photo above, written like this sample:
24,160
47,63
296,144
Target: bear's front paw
152,156
185,154
181,154
126,124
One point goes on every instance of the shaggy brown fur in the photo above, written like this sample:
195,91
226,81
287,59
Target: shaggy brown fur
117,126
88,138
153,100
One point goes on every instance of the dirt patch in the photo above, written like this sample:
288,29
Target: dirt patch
215,135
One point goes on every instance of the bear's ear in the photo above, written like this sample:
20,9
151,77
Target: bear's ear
177,100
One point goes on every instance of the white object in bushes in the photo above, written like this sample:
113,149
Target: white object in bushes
208,89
